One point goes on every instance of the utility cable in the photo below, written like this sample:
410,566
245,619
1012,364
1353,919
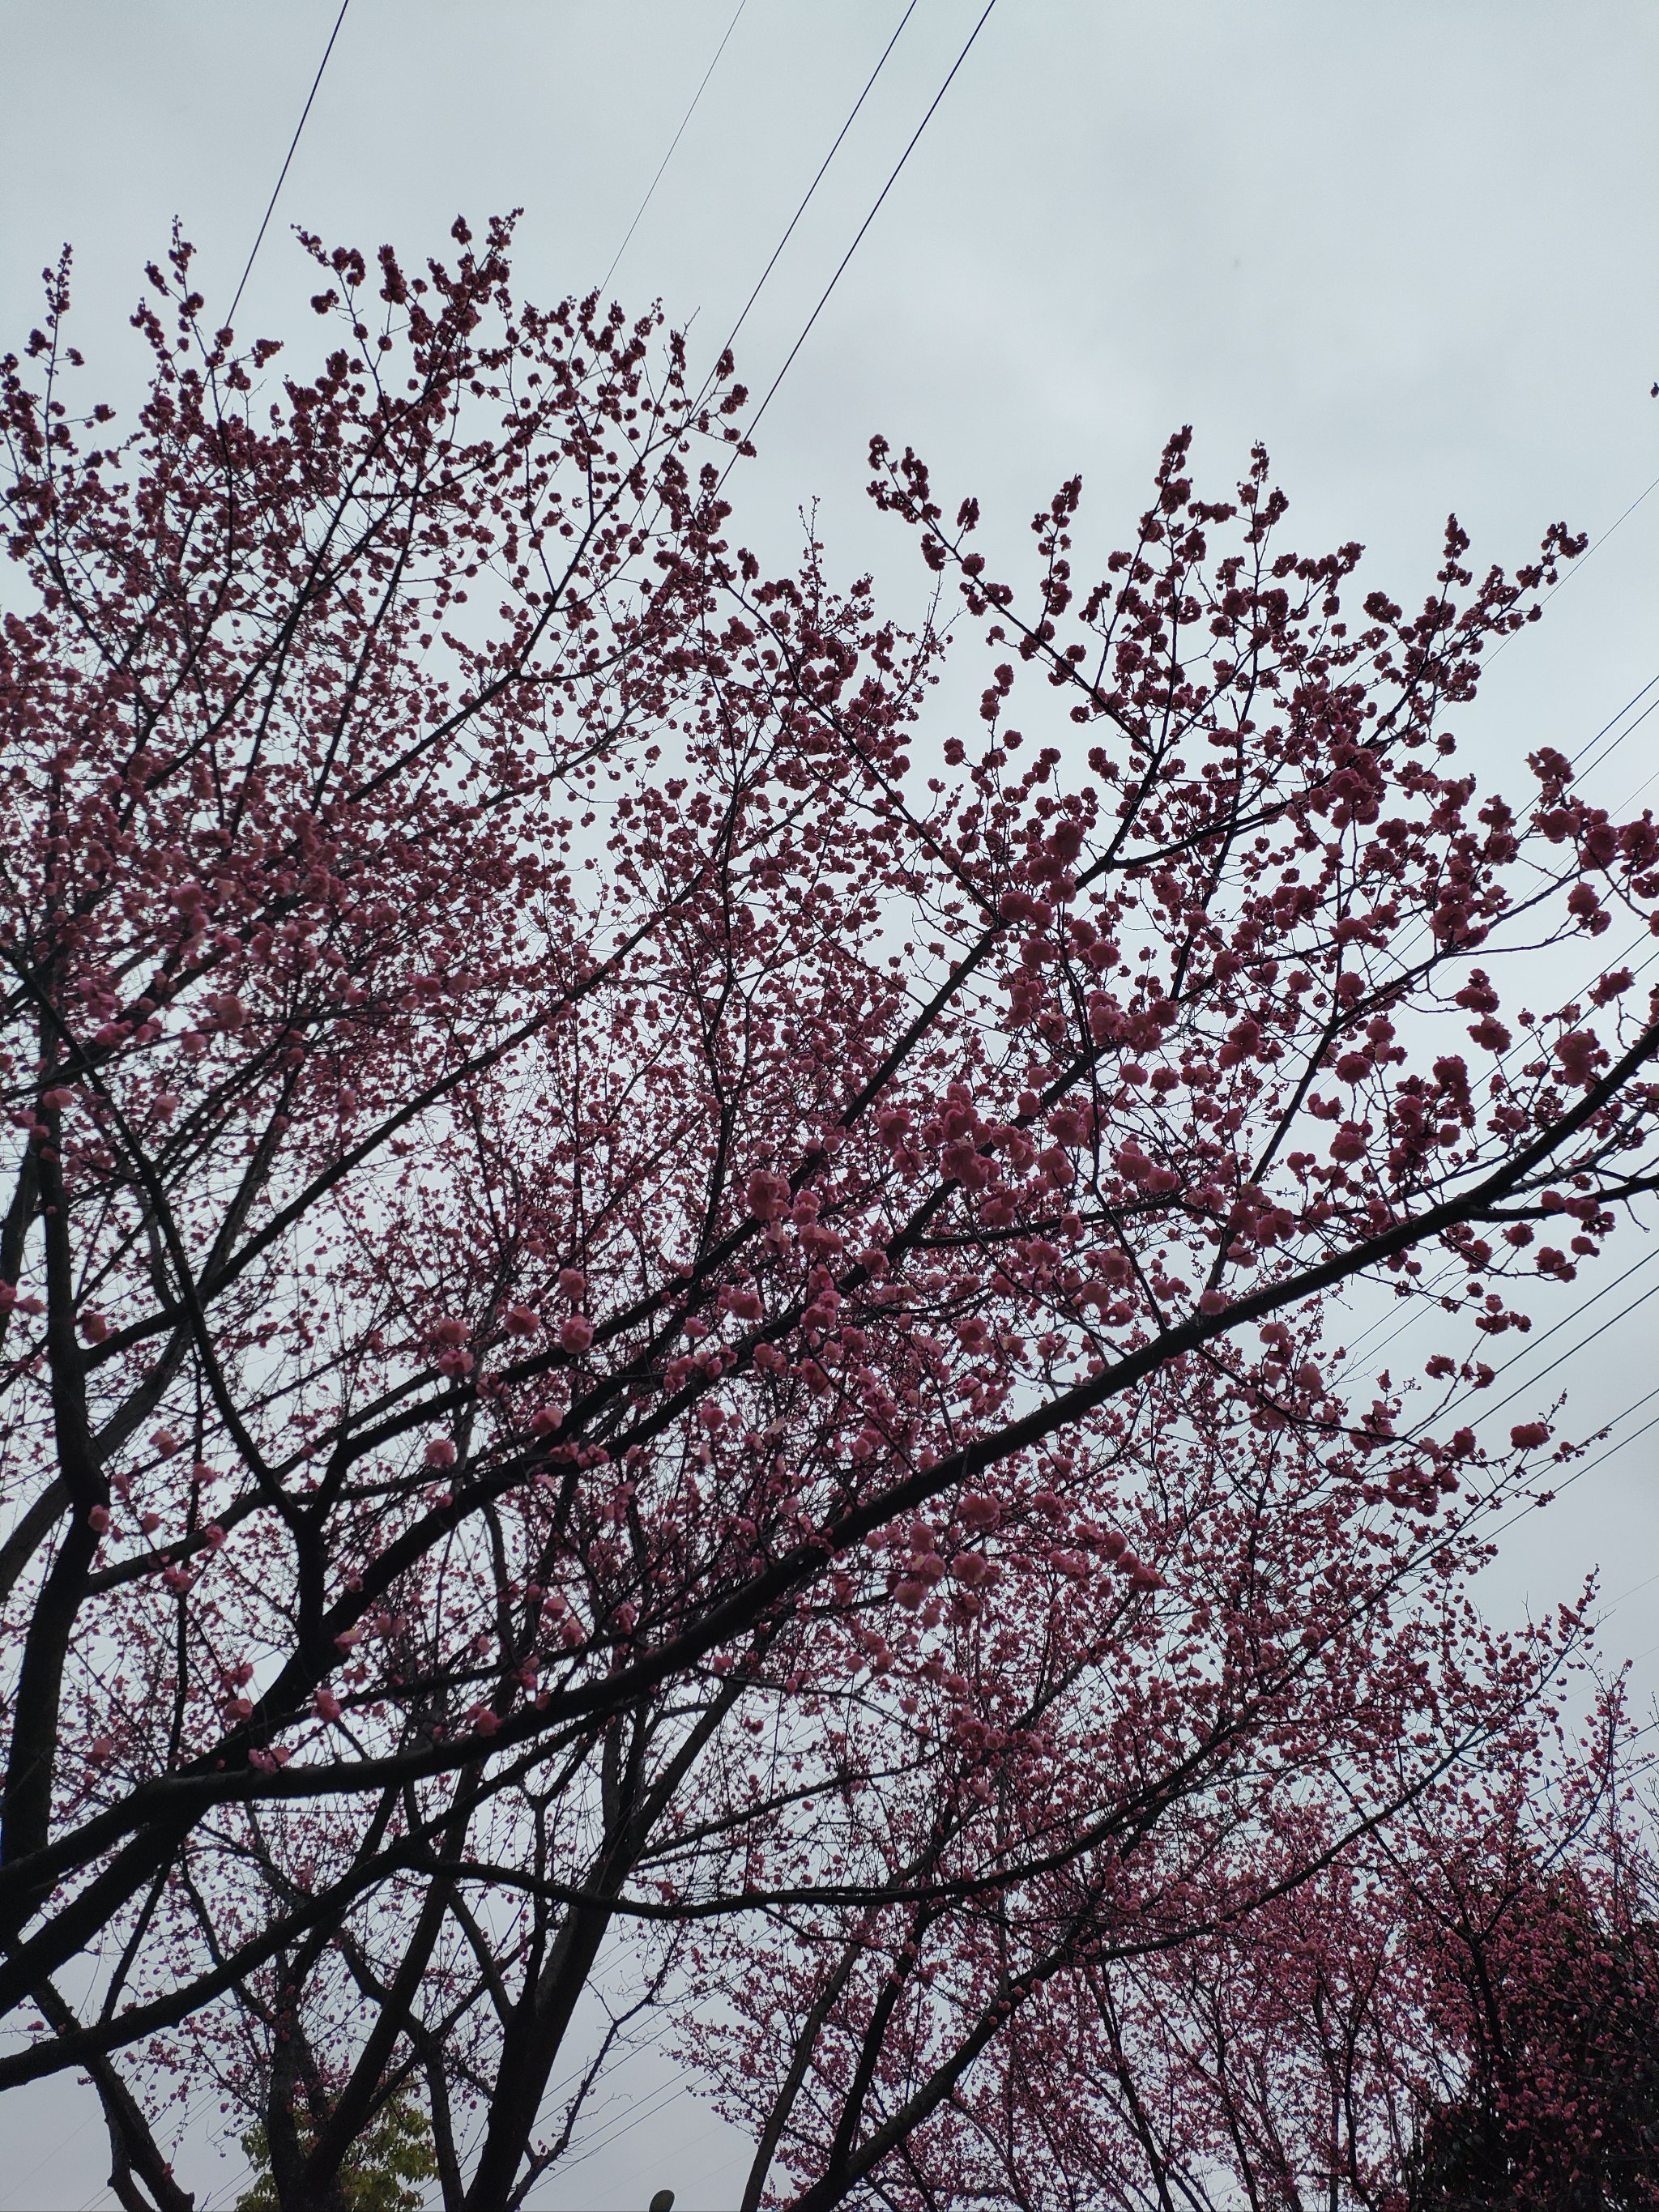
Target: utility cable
1635,1590
1596,759
1526,1045
1601,1459
822,166
1568,574
710,379
293,144
1571,1351
1467,1525
1630,797
841,268
650,191
1420,1307
1401,954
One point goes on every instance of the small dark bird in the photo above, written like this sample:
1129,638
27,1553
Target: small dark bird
662,2201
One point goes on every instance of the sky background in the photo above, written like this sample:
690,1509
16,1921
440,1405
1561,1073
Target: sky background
1411,248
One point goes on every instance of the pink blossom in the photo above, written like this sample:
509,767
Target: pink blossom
767,1196
900,1081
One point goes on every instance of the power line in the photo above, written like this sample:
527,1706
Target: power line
1401,953
283,176
841,268
1635,1590
1568,574
651,188
709,380
1467,1526
1572,1350
1601,1459
1447,1273
1596,759
1578,1313
818,179
1631,797
806,200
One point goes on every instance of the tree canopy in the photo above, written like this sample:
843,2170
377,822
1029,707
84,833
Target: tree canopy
651,1300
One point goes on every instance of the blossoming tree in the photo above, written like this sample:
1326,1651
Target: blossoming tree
626,1308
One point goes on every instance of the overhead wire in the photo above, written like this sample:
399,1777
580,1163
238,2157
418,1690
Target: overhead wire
1635,1590
1589,766
806,197
650,192
1401,954
1446,1274
1579,773
1572,1351
1568,573
1455,1269
1537,1503
1601,1459
794,219
1515,1358
1467,1524
841,265
1630,796
287,161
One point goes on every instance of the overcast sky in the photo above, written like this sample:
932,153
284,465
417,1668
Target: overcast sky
1413,246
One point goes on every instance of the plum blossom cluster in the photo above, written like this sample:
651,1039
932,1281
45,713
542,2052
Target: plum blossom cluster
623,1309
